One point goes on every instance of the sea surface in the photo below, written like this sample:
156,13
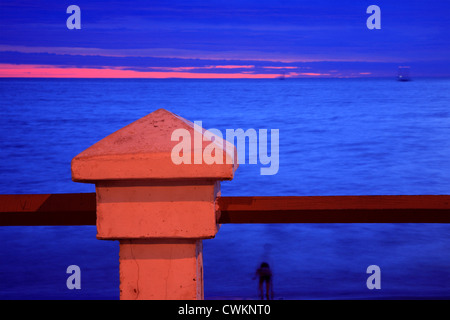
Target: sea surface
336,137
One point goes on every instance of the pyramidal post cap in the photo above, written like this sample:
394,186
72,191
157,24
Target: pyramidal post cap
143,150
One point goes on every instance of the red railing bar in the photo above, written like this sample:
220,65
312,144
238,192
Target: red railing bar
79,209
48,209
336,209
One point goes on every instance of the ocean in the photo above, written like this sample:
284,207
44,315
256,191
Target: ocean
336,137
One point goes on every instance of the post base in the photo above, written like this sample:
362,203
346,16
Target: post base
161,269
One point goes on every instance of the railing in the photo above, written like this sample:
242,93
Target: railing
160,211
79,209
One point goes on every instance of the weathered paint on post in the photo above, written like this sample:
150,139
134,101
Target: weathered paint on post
161,269
159,211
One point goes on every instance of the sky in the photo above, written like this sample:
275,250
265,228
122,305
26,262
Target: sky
223,39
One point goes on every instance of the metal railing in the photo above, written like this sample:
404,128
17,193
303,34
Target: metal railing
80,209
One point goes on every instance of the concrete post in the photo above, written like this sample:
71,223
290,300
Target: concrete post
158,210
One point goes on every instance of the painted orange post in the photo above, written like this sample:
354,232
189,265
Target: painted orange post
158,210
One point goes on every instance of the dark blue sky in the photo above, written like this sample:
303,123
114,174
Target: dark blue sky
323,37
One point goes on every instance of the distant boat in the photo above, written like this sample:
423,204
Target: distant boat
282,76
403,73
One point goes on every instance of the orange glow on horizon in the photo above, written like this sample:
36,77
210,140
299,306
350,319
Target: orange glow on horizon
206,67
307,74
46,71
287,67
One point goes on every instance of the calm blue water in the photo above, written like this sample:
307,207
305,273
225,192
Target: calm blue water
337,137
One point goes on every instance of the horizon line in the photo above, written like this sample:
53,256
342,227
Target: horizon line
224,78
9,70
